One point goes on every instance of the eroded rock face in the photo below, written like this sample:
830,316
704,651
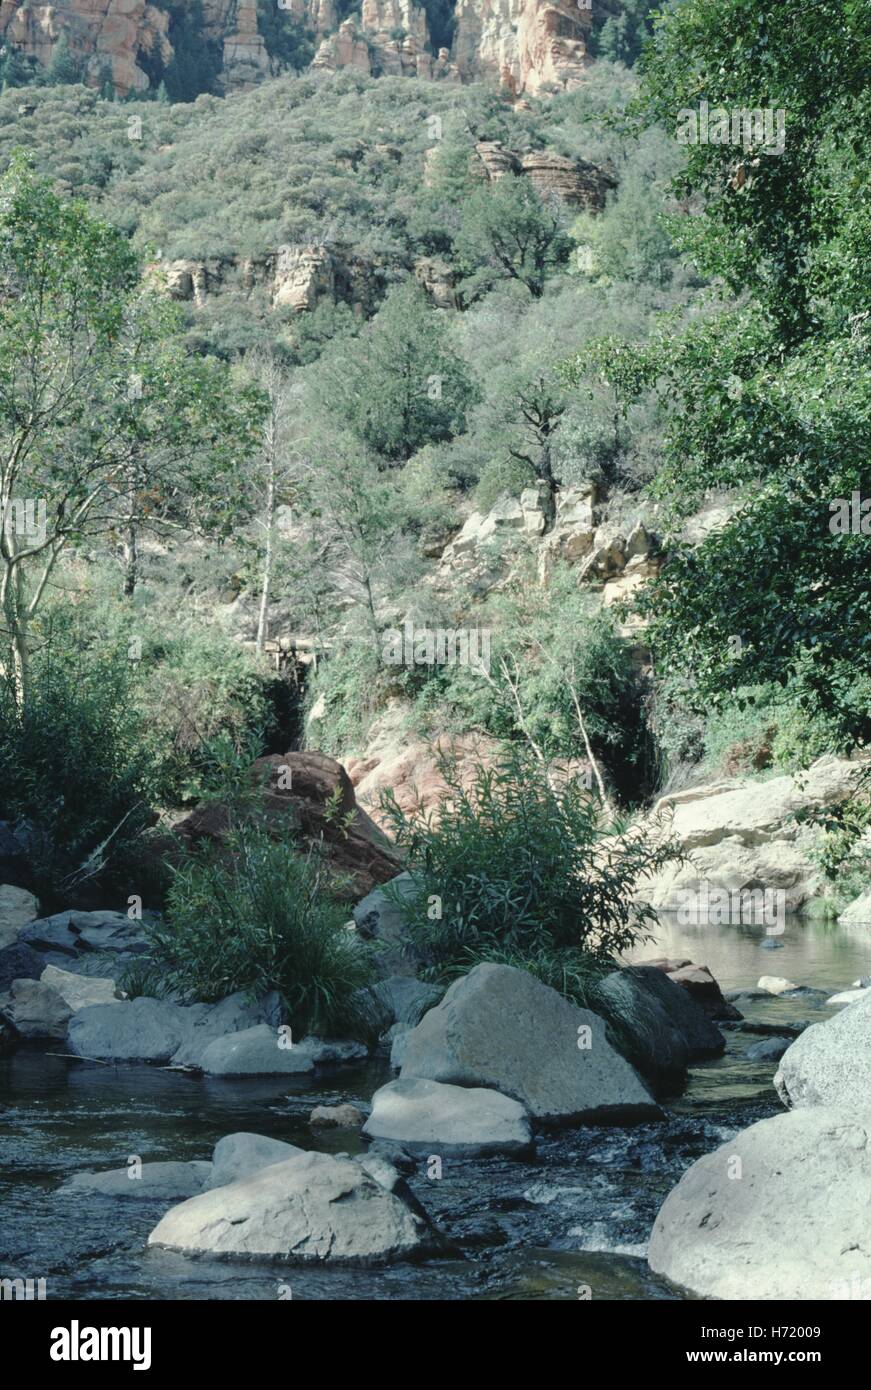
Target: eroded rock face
523,45
778,1212
310,1208
573,181
742,834
303,276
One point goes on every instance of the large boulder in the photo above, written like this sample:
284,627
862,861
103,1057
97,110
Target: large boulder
743,834
779,1212
665,1028
257,1051
137,1030
307,798
19,962
858,912
699,984
313,1207
830,1063
35,1010
378,918
500,1027
423,1116
79,991
170,1181
18,909
76,933
239,1155
231,1015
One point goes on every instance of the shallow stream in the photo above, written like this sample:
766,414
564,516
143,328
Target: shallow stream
577,1217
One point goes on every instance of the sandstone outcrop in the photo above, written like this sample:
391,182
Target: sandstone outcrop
308,798
529,46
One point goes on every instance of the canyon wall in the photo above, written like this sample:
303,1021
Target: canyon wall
524,45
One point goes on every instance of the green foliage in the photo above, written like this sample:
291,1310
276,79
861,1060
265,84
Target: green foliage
196,61
792,228
620,28
76,767
64,68
521,862
257,917
286,36
507,231
406,388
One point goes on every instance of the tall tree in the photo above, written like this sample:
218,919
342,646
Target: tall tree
508,232
104,422
407,387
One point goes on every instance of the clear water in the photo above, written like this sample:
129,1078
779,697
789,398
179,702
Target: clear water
577,1217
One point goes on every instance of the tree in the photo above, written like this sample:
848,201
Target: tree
275,470
63,68
409,387
507,232
105,424
196,61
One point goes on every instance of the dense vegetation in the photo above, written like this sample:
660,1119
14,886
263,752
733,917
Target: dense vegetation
219,470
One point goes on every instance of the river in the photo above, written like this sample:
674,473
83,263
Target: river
570,1224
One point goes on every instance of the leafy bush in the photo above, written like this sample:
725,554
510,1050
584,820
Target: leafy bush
76,768
519,861
255,916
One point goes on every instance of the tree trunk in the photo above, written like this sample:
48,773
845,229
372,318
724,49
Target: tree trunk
131,559
263,618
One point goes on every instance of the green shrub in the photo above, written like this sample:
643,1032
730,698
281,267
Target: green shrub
520,861
76,768
255,916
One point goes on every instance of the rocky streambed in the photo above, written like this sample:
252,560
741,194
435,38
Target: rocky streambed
571,1220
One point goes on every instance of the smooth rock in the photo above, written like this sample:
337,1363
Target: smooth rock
379,920
132,1030
848,996
775,984
408,999
314,1207
829,1064
858,912
173,1181
424,1116
18,908
35,1010
255,1052
79,991
237,1156
399,1045
777,1213
699,984
75,932
231,1015
667,1028
332,1052
768,1049
500,1027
